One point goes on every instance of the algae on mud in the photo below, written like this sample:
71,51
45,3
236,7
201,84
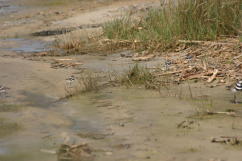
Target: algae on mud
8,127
9,107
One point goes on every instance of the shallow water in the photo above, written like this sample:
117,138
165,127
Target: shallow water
117,118
48,128
7,8
21,45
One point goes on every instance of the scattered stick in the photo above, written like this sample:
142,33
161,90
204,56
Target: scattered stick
196,76
191,41
169,73
144,58
226,113
215,72
48,151
232,140
59,64
205,42
237,57
63,59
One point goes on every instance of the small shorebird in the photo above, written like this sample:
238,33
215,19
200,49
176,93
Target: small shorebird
237,88
3,90
70,79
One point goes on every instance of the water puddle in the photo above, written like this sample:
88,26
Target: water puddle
21,45
36,99
3,151
45,129
7,8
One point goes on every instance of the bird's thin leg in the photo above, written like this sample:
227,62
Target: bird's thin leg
235,99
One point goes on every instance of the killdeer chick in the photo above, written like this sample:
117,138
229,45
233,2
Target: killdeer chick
237,88
3,90
70,80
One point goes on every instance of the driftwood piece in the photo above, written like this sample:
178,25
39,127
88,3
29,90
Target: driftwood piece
196,76
81,152
210,79
191,41
64,59
226,113
169,73
237,57
48,151
232,140
63,64
41,54
188,124
204,42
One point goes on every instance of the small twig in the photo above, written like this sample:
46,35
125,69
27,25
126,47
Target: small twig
238,56
191,41
144,58
232,140
215,72
226,113
169,73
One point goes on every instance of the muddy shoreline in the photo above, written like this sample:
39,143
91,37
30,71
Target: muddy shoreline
117,123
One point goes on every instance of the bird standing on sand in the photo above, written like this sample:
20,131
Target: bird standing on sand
237,88
3,90
70,79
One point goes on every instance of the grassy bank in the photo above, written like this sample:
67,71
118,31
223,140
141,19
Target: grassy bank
188,20
159,29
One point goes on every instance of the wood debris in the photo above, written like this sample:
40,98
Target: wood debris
210,79
169,73
80,152
66,59
64,63
212,61
41,54
144,58
230,113
48,151
188,124
231,140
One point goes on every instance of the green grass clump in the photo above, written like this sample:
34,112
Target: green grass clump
89,83
137,76
86,83
188,19
7,127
